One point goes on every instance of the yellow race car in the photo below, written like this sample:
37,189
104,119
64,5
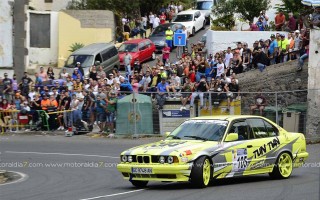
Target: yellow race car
215,147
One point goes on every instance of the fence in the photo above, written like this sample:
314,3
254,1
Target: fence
138,113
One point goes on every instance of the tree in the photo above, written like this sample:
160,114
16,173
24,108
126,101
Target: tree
244,9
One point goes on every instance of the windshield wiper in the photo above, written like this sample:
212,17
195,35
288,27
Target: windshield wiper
197,137
174,137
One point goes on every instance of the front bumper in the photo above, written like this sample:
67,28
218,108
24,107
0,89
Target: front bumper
160,172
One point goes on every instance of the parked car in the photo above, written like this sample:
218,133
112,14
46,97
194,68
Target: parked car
193,20
205,6
142,49
158,36
105,53
215,147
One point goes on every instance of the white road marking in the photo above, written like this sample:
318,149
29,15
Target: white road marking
111,195
23,178
61,154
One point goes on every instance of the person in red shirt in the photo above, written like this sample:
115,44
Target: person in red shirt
162,18
279,21
165,53
192,75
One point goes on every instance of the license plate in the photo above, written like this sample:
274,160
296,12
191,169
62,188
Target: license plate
141,170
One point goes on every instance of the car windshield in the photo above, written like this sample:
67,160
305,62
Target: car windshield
130,47
160,30
204,5
212,130
183,18
85,60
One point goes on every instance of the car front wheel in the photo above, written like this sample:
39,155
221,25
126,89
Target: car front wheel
283,166
201,172
193,31
139,184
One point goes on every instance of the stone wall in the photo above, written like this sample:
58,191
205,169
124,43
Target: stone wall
280,78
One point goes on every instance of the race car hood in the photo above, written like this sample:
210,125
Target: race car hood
171,147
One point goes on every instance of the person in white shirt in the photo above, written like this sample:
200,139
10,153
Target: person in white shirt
110,79
144,21
220,68
156,21
228,56
151,18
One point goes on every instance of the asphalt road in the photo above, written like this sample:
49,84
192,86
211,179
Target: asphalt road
88,171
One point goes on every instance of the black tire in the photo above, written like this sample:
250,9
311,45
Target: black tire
193,31
204,25
139,184
197,173
283,166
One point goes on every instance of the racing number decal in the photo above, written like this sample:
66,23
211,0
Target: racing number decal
240,161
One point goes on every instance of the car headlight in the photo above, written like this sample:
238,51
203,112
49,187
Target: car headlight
129,158
170,159
161,43
161,159
124,158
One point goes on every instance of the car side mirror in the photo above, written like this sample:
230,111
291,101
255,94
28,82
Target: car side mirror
167,134
232,137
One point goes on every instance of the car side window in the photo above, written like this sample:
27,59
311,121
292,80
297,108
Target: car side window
148,44
271,130
142,46
258,128
240,127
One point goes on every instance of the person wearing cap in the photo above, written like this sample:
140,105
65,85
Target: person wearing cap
273,50
297,44
283,48
280,20
162,92
111,110
260,24
163,73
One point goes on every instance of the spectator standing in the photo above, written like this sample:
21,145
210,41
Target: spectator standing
169,37
25,84
165,53
228,57
127,63
291,25
265,18
43,75
7,91
65,106
186,89
246,57
111,110
273,50
162,18
50,73
156,21
283,48
280,20
297,44
151,19
64,74
232,90
100,106
260,24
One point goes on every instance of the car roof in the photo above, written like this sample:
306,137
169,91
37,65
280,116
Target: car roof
187,12
227,117
93,49
135,41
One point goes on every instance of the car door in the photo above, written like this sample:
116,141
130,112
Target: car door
264,144
233,156
198,20
149,50
141,52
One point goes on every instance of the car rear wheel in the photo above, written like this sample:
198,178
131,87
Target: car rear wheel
139,184
283,166
201,172
193,31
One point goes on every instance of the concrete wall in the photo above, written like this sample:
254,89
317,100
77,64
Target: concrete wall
6,41
221,40
313,122
83,27
56,5
49,56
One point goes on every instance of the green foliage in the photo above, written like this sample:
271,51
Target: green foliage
224,23
246,9
294,6
75,46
